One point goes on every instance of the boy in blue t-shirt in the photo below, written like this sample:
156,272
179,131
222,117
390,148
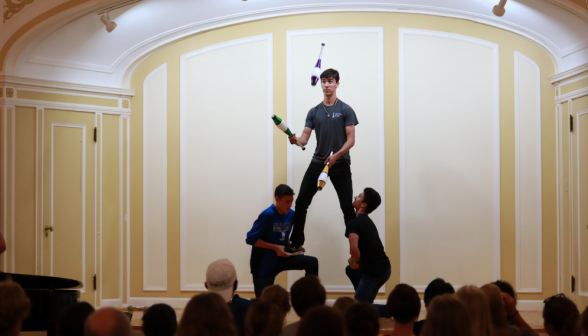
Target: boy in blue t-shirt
268,238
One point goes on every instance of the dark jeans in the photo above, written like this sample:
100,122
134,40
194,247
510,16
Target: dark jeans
340,176
366,286
301,262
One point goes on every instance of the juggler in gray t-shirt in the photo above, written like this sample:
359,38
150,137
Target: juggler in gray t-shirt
330,129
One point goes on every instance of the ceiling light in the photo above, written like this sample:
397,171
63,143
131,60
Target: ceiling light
499,10
110,25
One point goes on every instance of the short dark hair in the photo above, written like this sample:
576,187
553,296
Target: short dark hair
585,321
372,199
404,304
506,287
362,319
322,321
437,287
72,319
306,293
283,190
562,314
15,306
330,73
160,320
264,318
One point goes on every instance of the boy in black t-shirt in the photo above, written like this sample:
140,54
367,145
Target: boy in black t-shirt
369,267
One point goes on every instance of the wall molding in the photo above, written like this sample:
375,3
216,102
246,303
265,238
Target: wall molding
115,303
381,135
539,196
402,142
184,285
580,226
128,214
40,104
42,85
163,287
83,127
568,96
569,76
141,51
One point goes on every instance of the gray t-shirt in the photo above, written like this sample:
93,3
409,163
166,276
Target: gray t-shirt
330,129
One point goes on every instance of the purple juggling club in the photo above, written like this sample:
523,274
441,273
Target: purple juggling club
316,72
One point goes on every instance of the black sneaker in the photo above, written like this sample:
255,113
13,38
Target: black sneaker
293,250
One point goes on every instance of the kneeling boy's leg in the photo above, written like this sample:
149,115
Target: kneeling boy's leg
260,282
299,263
369,286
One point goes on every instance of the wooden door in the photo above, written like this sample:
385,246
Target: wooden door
68,198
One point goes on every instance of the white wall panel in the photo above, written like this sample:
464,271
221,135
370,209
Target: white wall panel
357,53
528,175
226,146
449,159
582,192
155,180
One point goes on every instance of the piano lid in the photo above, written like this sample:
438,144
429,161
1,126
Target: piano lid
28,281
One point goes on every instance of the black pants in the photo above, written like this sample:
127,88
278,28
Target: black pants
340,178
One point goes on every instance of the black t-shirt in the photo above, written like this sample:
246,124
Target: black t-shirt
329,123
373,259
239,308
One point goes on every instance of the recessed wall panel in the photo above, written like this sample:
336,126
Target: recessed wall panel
226,154
361,86
582,160
528,174
155,180
449,159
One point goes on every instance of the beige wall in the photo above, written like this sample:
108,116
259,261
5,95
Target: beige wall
508,43
119,209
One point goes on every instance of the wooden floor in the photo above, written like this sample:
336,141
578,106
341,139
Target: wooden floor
535,320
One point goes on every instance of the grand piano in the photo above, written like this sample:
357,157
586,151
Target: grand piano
48,296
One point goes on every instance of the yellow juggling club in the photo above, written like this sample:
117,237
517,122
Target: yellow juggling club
323,177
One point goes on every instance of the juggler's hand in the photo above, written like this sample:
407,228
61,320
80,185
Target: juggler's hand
293,139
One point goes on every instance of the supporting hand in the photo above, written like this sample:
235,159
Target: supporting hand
280,251
352,263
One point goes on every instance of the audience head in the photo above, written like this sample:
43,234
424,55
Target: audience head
362,319
221,278
107,322
343,303
369,200
14,307
447,316
279,296
497,312
73,318
585,322
404,304
321,321
264,318
306,293
160,320
506,287
478,309
435,288
207,314
560,316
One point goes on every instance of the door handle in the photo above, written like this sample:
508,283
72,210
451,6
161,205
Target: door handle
48,228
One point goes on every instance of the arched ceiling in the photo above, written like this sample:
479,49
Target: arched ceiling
74,47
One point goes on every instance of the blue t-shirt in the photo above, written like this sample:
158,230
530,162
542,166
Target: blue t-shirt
273,228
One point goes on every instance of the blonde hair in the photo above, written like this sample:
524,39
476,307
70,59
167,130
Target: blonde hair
278,295
447,316
478,309
343,303
14,305
207,314
497,312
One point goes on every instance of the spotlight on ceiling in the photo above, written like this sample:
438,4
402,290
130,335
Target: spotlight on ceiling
110,25
499,10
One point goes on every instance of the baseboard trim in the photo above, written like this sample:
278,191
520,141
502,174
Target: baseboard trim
116,303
